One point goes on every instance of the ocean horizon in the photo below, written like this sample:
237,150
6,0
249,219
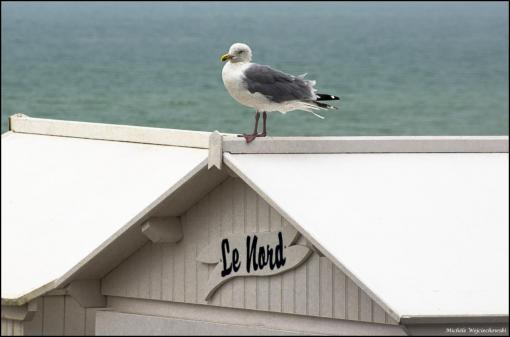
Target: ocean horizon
432,68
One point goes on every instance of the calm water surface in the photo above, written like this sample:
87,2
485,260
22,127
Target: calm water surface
400,68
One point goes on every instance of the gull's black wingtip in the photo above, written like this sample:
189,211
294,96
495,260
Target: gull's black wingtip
325,106
326,97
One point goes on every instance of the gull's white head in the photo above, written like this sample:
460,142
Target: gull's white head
238,52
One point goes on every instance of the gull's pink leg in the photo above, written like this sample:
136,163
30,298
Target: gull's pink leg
250,137
264,118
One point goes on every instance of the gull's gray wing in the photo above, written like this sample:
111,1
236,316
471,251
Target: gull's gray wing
276,85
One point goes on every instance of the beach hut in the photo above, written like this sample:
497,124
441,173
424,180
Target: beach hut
111,229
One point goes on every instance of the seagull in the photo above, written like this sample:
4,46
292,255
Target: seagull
266,89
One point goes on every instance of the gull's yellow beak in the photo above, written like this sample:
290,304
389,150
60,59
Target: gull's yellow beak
225,57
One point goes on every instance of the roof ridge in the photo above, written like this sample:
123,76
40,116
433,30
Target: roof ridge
226,142
21,123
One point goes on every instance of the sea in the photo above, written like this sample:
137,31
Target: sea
400,68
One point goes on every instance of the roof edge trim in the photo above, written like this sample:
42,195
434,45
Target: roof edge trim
230,143
386,144
229,163
24,299
123,133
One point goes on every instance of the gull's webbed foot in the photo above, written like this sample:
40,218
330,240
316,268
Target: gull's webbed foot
250,137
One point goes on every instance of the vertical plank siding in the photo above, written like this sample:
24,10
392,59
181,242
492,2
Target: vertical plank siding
352,298
339,294
34,326
58,316
53,315
74,317
170,272
202,240
156,271
214,221
300,288
288,284
167,281
262,282
12,327
250,283
190,265
275,282
326,288
238,227
226,228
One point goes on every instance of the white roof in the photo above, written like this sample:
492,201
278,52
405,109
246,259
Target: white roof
63,197
420,228
424,234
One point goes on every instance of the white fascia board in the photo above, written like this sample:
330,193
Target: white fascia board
380,144
20,123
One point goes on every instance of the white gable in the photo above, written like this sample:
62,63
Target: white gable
63,197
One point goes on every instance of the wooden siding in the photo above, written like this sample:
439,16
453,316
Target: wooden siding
12,327
170,272
60,315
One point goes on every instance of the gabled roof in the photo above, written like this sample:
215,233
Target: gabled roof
63,197
412,230
423,234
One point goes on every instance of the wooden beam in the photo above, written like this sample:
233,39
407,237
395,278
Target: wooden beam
19,313
404,144
87,293
124,133
163,229
215,150
57,292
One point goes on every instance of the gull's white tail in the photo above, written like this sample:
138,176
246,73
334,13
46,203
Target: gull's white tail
316,114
